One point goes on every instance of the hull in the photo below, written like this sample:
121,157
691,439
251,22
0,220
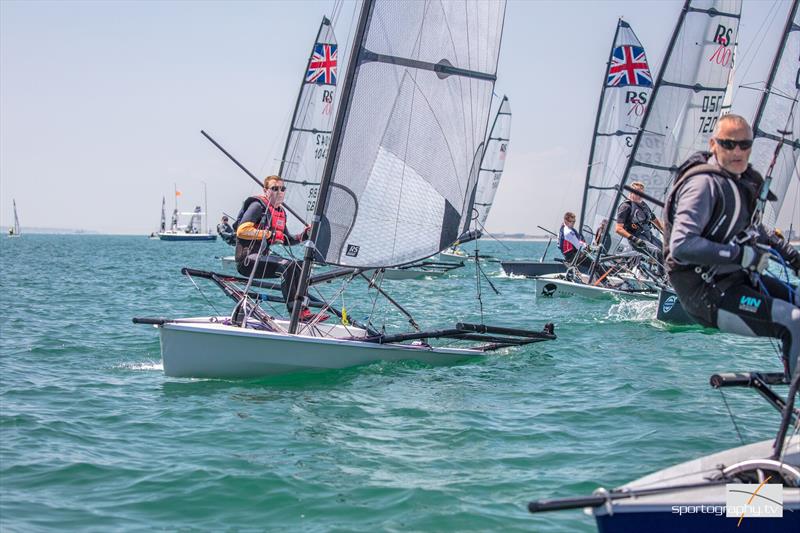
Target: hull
549,287
670,309
187,236
701,508
203,349
451,256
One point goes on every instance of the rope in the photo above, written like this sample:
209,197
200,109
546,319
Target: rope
731,416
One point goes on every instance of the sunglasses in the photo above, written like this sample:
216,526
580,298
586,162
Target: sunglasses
730,144
277,188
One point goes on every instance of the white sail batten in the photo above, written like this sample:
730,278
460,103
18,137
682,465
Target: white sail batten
309,135
626,92
779,120
494,160
406,164
689,95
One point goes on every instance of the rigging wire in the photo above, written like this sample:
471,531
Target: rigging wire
730,413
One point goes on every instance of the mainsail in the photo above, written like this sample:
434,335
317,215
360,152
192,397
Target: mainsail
776,127
163,226
400,180
196,220
627,85
494,159
16,219
310,132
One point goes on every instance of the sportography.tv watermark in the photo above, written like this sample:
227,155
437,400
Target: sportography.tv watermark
743,500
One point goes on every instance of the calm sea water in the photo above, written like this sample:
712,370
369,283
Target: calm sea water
94,437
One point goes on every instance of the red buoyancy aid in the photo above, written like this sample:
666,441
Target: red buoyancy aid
278,226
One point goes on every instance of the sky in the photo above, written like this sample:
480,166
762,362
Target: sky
102,103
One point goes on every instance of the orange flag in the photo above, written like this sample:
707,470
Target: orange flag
177,193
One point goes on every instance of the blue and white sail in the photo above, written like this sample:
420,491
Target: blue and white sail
410,132
309,135
777,124
494,160
627,85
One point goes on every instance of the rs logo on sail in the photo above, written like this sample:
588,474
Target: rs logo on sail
749,303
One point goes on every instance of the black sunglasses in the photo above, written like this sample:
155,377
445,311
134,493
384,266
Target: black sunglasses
277,188
730,144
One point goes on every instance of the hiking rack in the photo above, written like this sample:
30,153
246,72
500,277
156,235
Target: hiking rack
760,381
495,336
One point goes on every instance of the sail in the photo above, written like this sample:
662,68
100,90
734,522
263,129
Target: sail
410,131
196,220
688,97
627,85
174,222
777,121
163,226
494,159
310,132
727,100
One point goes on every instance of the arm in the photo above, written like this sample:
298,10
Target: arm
247,227
693,208
569,235
622,215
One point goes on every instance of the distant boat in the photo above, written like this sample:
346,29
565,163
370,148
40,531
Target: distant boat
15,231
190,232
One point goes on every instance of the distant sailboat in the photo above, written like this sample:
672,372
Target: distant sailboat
191,232
15,231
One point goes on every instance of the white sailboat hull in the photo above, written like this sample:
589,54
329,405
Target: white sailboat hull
552,286
201,348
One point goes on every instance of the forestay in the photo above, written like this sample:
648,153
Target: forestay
688,97
310,132
778,118
411,137
627,85
494,160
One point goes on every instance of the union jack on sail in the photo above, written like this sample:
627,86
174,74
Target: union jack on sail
322,65
629,67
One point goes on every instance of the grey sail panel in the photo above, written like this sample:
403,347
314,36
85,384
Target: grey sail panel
404,175
494,160
309,134
779,122
163,226
626,92
690,95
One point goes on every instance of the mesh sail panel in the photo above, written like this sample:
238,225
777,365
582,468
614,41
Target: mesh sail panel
310,132
689,99
780,114
626,93
494,160
404,177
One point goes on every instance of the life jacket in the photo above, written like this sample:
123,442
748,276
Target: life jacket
639,219
563,244
733,211
276,222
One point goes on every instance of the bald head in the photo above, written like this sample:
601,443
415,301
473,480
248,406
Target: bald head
732,121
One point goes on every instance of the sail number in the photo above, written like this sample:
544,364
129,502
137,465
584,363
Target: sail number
321,147
713,106
312,198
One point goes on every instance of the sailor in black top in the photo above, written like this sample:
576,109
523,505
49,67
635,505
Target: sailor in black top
262,219
635,221
225,231
715,254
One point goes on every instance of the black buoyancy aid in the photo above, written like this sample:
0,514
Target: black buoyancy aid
563,244
733,210
639,218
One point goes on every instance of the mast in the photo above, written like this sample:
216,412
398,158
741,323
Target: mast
341,114
637,140
757,132
597,125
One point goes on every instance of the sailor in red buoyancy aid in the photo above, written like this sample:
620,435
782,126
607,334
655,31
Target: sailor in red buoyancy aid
250,232
570,241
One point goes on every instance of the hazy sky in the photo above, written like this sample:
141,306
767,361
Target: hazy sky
102,103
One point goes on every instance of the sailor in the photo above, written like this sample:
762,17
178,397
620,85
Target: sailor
601,232
570,240
715,254
226,232
635,221
263,219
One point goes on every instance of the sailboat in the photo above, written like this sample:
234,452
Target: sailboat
410,91
776,148
624,96
15,230
193,231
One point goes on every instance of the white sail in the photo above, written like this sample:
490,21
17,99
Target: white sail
163,225
310,132
688,97
410,136
494,160
777,122
627,86
15,231
195,223
727,100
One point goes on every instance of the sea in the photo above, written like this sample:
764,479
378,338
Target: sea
94,437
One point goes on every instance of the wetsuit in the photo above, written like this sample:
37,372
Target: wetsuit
637,219
249,233
226,232
705,210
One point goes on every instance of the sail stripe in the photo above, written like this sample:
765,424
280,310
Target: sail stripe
439,68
